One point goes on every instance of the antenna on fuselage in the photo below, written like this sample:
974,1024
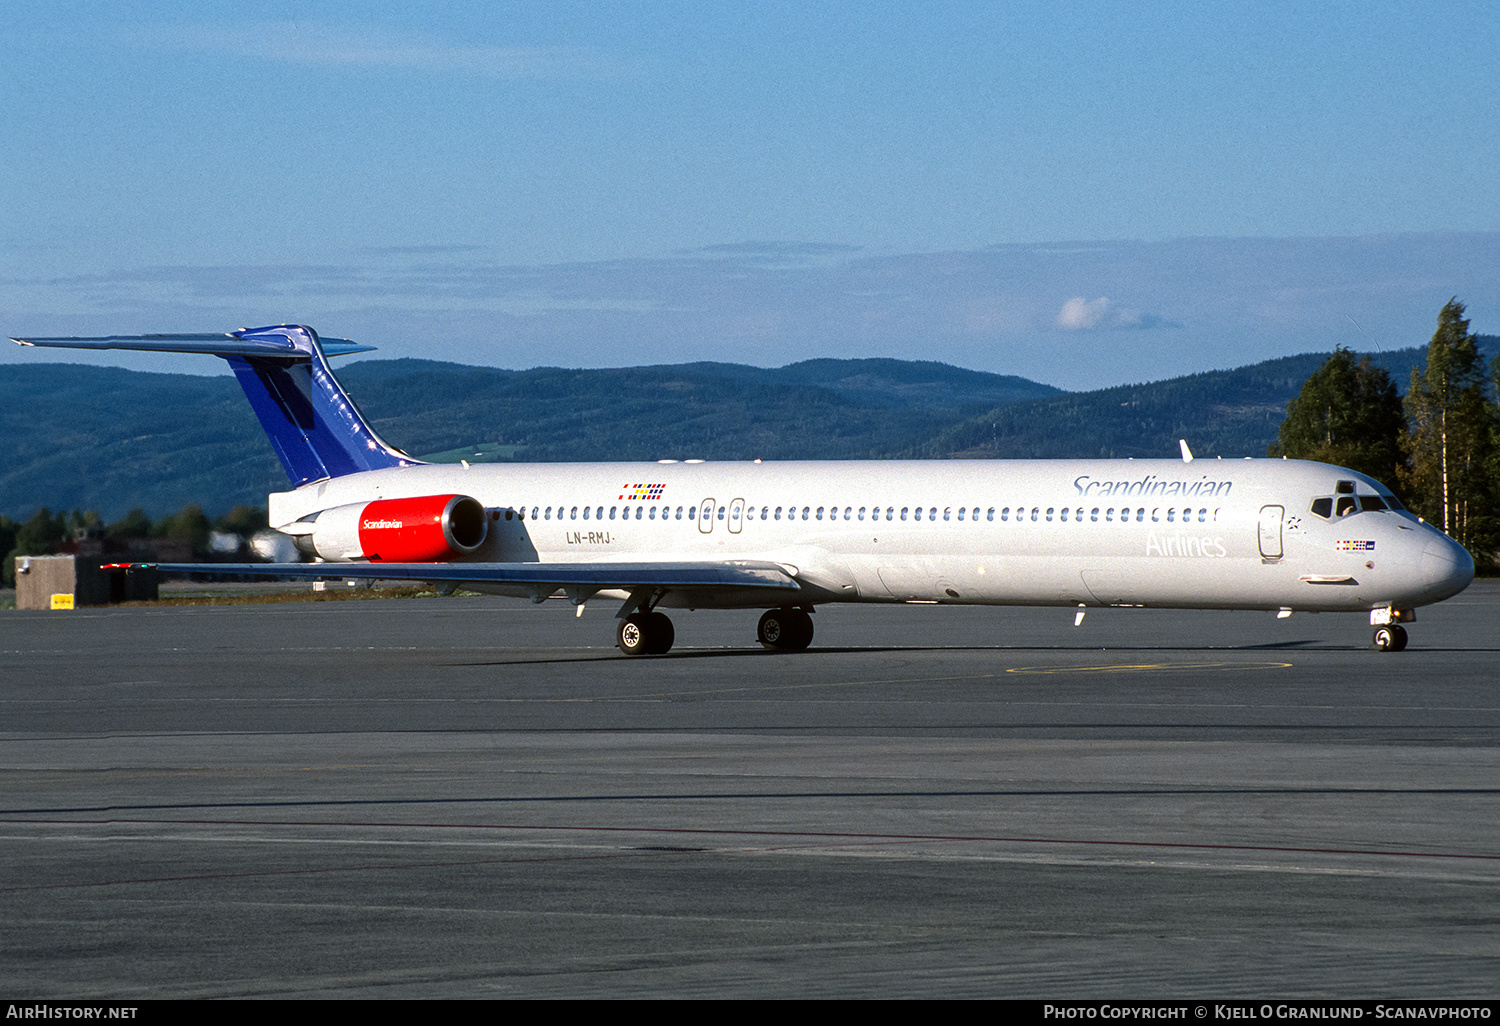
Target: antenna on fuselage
1187,454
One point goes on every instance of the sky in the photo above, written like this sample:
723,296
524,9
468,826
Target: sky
1081,193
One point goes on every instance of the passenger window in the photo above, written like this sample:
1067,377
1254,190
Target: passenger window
1035,514
991,514
1063,516
1094,514
1049,514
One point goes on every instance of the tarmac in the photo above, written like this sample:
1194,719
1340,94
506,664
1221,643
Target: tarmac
476,797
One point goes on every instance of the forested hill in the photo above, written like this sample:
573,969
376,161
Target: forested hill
80,437
819,409
1231,413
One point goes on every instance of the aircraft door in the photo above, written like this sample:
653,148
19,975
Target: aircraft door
1270,532
706,515
736,515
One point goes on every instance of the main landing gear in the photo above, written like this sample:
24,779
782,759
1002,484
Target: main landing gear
785,630
645,634
781,630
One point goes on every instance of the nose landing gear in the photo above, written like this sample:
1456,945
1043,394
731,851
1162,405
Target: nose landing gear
1390,638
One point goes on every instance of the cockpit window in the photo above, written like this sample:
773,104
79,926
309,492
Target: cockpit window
1367,502
1393,502
1344,487
1346,505
1322,507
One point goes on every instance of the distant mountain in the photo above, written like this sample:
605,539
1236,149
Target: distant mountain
80,437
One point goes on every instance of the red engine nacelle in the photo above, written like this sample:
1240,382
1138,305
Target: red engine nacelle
423,529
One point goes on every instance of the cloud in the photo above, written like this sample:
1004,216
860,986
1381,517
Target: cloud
995,309
313,43
1079,314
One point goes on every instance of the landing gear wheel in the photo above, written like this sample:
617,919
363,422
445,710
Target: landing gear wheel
645,634
631,634
1390,638
785,630
660,634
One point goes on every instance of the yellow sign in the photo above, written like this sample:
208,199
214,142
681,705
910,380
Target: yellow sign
62,601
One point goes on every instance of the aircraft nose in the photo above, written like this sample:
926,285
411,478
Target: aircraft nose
1446,567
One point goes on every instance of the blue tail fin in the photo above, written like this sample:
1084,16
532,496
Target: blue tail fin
314,426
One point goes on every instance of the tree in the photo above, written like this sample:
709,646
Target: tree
1451,434
135,525
1347,414
39,536
191,523
243,520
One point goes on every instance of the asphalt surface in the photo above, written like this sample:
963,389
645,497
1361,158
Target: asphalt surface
470,797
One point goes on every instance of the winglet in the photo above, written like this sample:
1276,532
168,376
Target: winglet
1187,454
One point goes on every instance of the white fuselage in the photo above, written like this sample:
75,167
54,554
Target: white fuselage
1233,534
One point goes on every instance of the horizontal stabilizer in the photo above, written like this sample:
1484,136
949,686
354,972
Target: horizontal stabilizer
313,425
208,345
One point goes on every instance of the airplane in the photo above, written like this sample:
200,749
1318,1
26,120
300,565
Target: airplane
1257,534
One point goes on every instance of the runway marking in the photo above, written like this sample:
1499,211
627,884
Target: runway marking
1149,667
842,837
695,796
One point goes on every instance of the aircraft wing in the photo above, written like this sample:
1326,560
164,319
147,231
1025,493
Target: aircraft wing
579,580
